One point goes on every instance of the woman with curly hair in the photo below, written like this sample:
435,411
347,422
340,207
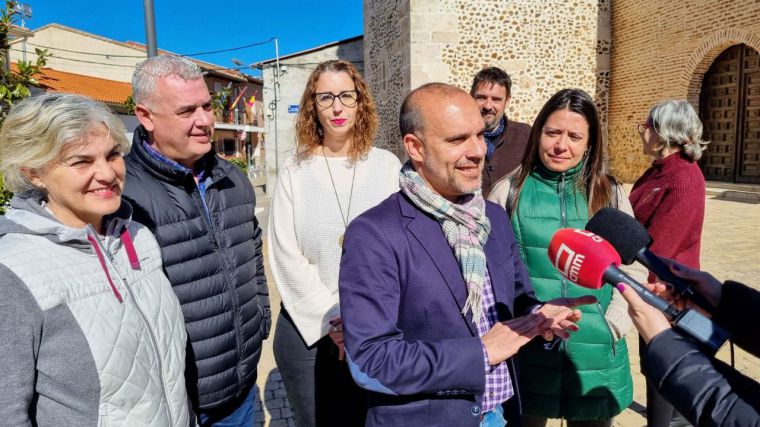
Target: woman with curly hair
335,175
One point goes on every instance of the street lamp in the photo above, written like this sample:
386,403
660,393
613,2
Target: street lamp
150,28
25,12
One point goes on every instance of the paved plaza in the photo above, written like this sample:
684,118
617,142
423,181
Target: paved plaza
730,250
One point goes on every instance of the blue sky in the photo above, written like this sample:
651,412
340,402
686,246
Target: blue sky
184,28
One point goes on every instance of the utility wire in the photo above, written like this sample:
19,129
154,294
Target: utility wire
143,56
306,64
84,53
230,49
206,68
302,65
82,60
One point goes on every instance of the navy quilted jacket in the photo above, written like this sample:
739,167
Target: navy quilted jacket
211,250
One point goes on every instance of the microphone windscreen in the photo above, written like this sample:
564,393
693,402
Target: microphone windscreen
622,231
581,256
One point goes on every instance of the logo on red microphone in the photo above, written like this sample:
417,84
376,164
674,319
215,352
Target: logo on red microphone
593,236
568,262
581,257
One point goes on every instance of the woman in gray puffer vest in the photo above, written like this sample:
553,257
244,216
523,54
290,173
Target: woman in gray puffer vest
91,332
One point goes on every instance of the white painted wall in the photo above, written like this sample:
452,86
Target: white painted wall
118,65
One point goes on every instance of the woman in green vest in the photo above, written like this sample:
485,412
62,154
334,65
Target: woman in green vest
561,183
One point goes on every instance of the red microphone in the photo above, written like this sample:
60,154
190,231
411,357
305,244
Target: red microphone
568,249
590,261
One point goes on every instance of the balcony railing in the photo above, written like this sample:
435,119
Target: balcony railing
236,117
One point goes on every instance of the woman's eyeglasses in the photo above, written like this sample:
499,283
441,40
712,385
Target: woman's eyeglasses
347,98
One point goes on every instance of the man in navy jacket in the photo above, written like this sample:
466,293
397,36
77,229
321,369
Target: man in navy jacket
201,210
411,337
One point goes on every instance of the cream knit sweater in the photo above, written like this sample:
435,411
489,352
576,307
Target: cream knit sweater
305,225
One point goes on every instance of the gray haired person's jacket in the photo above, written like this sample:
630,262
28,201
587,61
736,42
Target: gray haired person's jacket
90,330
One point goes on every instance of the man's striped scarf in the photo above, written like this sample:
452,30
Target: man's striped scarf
465,226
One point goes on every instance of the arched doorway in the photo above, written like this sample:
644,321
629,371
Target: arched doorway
729,106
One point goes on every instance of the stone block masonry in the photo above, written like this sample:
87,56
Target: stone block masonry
544,45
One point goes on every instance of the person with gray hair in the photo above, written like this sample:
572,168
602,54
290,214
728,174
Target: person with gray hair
669,200
672,126
147,74
88,319
201,209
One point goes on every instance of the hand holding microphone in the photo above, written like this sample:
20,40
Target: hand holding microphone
631,241
704,283
648,320
590,261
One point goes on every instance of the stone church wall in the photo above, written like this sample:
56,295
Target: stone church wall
544,45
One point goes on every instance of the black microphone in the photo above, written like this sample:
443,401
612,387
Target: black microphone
631,240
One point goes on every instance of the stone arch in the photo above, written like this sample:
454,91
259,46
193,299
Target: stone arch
703,57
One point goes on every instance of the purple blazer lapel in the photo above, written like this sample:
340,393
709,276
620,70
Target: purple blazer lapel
495,257
430,236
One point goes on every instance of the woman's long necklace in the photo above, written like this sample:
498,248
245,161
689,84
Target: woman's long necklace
335,191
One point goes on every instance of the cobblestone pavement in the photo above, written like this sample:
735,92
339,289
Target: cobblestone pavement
271,405
730,250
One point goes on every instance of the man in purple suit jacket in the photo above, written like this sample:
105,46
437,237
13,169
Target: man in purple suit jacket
431,344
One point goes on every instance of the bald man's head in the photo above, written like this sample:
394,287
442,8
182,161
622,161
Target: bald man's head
411,118
442,131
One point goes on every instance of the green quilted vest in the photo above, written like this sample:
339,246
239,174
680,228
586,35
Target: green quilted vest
587,377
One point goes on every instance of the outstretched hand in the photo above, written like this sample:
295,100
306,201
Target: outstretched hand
504,339
556,317
563,315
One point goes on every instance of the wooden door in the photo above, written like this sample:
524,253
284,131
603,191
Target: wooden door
718,110
748,167
730,111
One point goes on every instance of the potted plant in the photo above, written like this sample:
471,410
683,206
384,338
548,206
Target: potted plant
219,100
